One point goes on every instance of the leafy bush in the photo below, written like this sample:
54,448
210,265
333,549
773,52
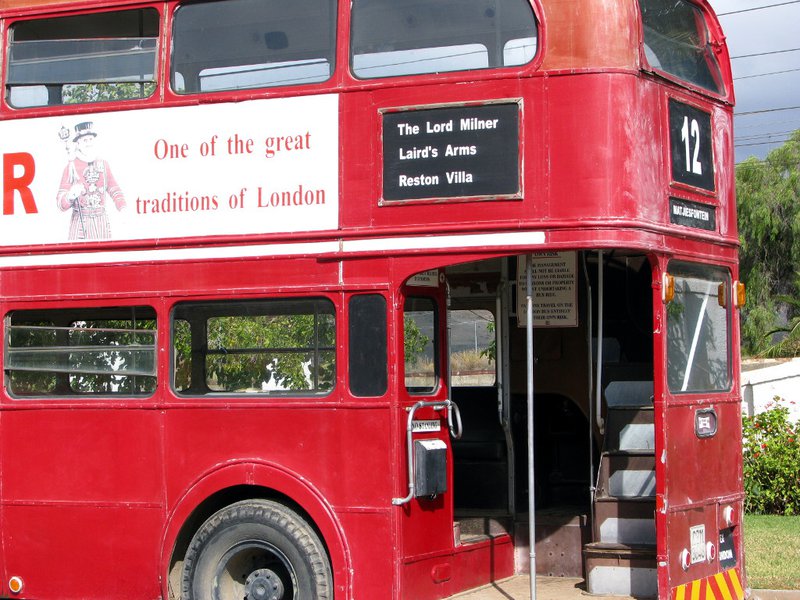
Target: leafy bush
772,461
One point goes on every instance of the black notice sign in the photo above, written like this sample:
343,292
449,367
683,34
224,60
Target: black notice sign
727,549
454,152
691,145
692,214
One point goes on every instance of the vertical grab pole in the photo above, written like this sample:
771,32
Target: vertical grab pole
531,483
598,388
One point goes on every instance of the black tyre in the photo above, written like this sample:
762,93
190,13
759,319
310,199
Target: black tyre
256,550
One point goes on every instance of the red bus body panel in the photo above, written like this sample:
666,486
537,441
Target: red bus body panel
98,493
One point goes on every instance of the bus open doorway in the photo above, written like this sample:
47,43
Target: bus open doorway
578,446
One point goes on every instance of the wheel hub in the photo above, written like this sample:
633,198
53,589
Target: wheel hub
263,584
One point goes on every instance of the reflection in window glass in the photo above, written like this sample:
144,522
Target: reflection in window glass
255,347
242,44
472,347
423,60
408,37
104,351
420,343
676,41
99,57
697,330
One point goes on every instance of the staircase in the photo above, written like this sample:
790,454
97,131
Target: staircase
621,559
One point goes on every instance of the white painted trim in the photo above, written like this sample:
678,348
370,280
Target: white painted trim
478,240
394,244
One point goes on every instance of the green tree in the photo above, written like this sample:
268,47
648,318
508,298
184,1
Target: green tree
769,230
83,93
415,342
788,343
244,352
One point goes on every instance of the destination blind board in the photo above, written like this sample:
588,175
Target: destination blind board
453,152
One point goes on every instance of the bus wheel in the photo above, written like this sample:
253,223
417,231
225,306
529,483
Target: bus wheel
256,550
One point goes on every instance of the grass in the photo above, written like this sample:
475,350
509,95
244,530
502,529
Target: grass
772,552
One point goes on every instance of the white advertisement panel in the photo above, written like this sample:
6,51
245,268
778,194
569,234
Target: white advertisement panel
260,166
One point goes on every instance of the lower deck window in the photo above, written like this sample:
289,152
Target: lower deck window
267,347
697,329
93,351
420,342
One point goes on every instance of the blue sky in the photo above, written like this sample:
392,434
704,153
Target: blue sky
759,87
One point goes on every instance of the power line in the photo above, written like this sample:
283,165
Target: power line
765,74
763,135
765,110
736,12
769,124
761,143
765,53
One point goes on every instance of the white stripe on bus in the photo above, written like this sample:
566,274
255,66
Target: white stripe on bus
346,247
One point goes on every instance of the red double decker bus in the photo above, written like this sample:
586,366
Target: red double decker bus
375,299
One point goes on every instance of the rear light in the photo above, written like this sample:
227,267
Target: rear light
668,288
686,559
711,552
728,515
15,584
739,294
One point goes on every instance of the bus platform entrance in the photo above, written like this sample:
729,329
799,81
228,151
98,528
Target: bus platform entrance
547,588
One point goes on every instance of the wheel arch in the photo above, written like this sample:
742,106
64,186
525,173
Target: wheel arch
245,480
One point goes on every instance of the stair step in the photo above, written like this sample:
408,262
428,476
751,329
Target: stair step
627,394
630,428
621,570
626,475
625,521
605,549
476,529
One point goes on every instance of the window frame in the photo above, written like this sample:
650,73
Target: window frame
73,314
373,356
721,76
435,341
216,308
170,62
713,274
92,105
534,59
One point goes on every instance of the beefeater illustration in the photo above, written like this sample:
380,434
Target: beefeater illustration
85,184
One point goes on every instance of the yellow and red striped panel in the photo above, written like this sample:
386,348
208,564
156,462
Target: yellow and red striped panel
722,586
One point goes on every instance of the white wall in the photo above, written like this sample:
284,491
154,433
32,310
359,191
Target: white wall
761,382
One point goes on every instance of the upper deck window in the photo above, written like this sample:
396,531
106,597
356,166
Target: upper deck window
676,41
409,37
242,44
85,58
